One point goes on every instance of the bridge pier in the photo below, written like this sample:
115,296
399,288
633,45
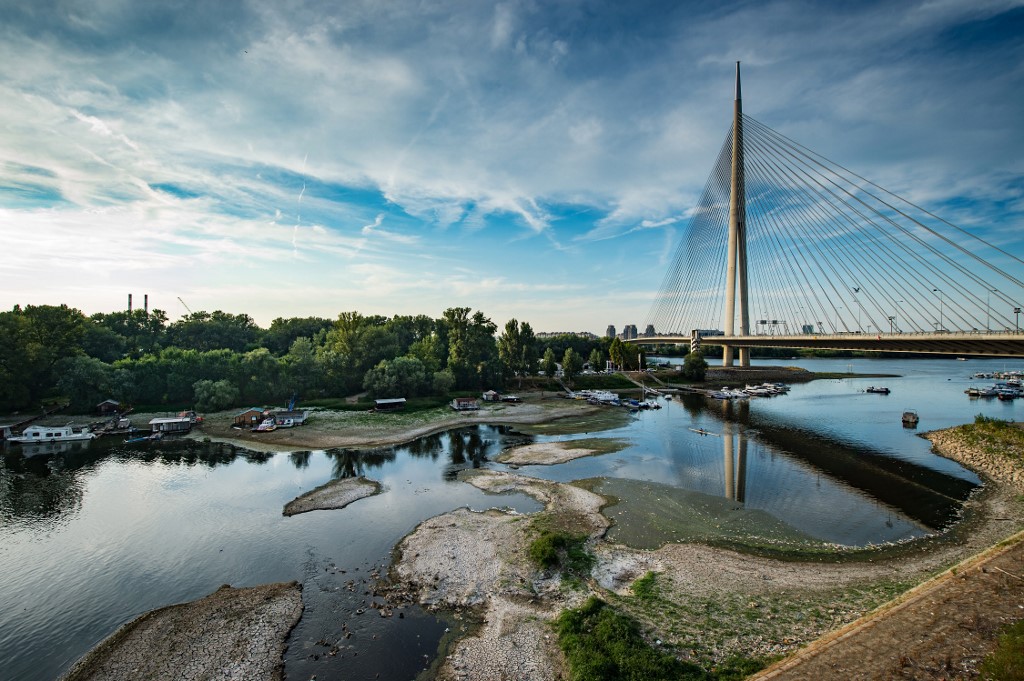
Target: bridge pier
736,267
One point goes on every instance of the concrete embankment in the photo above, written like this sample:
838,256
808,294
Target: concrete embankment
230,634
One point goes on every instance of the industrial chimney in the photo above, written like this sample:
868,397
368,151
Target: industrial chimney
129,302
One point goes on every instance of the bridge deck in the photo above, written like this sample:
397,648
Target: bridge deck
983,344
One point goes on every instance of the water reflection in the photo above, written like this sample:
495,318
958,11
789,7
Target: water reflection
923,494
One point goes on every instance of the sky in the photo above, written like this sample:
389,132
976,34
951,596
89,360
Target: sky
532,160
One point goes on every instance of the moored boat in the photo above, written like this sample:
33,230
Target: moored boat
910,418
68,433
881,390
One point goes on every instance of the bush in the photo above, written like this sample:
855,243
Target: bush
562,551
601,644
982,420
1006,663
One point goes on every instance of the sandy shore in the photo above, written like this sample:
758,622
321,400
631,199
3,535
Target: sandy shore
479,561
546,453
230,634
332,495
327,429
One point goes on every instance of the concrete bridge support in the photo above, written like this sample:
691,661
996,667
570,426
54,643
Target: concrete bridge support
736,267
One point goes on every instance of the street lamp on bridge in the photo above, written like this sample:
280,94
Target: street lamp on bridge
892,324
1016,326
942,322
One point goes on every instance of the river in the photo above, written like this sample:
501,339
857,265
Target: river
91,538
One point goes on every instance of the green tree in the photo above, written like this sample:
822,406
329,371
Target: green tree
517,350
694,367
472,352
299,368
283,333
84,381
33,341
572,365
400,377
549,365
215,395
214,330
596,360
615,352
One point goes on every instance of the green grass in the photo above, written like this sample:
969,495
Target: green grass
601,644
561,551
725,632
1006,662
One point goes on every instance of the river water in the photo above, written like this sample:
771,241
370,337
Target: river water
91,538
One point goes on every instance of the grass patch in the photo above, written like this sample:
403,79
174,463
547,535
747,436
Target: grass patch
599,445
643,588
994,437
563,552
601,644
1006,662
733,635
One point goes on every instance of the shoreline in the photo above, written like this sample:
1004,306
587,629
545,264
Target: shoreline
236,633
477,563
520,603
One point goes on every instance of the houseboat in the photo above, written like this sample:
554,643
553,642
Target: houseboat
68,433
170,425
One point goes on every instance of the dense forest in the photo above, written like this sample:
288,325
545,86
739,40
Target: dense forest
217,360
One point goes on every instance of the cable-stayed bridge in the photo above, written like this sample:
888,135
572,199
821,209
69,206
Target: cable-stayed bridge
816,256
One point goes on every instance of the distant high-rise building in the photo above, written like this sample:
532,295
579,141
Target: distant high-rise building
610,333
629,332
649,331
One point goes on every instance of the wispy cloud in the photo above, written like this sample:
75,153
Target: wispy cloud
536,140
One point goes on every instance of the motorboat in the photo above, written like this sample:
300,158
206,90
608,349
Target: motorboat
68,433
877,389
910,418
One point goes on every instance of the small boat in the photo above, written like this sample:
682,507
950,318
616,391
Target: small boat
146,438
879,390
68,433
265,427
702,431
910,418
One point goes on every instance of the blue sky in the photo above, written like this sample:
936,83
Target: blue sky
535,160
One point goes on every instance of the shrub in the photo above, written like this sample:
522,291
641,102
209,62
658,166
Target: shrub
601,644
1006,662
562,551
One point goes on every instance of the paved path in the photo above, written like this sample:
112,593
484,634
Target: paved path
939,630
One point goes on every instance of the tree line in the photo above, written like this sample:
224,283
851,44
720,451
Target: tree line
216,360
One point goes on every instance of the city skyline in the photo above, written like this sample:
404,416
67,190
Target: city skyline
537,162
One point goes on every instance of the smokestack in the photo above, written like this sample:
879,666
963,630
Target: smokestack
145,302
129,302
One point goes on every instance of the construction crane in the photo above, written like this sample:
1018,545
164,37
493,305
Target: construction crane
183,303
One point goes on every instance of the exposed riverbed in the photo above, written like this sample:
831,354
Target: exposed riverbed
93,538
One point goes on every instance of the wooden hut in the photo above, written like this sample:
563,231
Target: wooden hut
108,407
250,418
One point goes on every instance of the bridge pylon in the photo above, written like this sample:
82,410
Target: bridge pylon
736,265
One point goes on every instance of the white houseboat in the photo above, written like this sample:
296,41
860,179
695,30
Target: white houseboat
68,433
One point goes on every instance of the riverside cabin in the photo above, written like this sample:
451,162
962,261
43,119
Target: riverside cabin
465,404
250,418
492,396
108,407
